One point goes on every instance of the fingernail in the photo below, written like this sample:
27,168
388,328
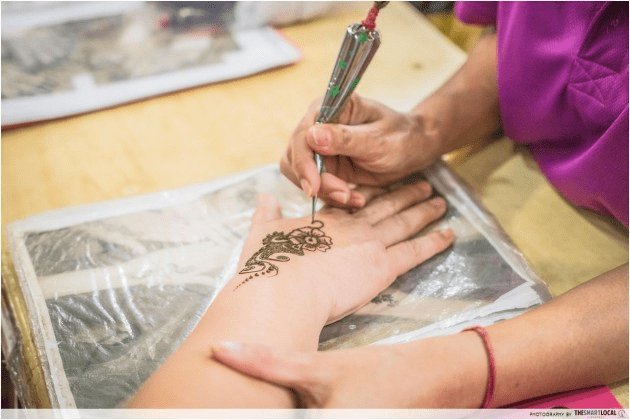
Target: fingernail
426,187
357,200
231,346
339,196
306,187
321,135
437,202
447,233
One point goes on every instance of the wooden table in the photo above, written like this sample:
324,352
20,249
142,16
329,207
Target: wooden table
204,133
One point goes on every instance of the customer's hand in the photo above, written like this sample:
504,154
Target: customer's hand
342,259
371,145
295,275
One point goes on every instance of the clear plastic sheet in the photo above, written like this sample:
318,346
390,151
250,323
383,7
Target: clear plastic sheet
113,289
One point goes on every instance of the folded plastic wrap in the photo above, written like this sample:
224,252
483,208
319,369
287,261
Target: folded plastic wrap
112,289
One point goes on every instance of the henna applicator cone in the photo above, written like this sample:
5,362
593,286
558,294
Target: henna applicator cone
359,45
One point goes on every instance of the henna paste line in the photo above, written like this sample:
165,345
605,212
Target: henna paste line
310,238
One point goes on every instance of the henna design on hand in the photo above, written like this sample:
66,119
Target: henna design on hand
310,238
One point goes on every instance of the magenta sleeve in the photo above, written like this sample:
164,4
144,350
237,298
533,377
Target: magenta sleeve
476,12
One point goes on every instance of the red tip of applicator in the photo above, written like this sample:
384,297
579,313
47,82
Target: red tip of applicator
370,20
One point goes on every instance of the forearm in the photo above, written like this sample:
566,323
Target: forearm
272,312
466,109
577,340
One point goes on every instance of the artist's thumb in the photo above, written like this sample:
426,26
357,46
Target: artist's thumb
355,141
297,371
267,209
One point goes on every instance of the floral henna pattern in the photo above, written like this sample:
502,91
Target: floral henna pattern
310,238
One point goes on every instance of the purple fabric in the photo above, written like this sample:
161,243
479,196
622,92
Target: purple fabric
562,77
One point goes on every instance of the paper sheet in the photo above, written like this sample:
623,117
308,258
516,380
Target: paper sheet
65,58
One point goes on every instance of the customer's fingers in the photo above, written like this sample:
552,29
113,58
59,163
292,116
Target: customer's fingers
404,224
406,255
391,203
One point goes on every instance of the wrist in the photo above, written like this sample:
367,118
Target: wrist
427,134
469,368
460,363
492,373
282,306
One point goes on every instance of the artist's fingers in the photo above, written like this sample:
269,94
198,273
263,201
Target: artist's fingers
297,164
391,203
351,171
287,170
406,255
334,191
267,209
358,198
355,136
356,141
348,137
363,194
407,223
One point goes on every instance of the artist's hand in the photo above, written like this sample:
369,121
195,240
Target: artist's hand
440,372
371,145
342,259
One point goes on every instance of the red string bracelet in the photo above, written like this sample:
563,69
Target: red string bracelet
492,369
